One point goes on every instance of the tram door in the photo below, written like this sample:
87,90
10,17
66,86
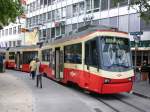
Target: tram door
18,58
57,63
91,62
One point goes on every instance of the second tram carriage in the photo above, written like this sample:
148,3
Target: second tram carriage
96,58
19,57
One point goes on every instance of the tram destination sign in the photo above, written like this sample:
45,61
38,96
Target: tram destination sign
136,33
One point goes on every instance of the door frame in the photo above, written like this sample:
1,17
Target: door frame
57,63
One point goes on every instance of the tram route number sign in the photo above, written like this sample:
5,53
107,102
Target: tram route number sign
136,33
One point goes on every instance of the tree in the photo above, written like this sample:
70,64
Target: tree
9,10
141,6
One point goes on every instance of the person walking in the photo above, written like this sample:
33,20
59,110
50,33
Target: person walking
38,74
32,67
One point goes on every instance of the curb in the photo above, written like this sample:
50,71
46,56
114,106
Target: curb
141,95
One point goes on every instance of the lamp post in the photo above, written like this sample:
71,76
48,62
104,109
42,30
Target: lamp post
136,41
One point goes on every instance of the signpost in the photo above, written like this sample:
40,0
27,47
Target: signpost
137,38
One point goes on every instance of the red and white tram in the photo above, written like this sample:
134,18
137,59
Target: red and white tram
97,59
19,57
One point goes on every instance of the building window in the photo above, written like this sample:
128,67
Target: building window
14,43
104,5
2,32
14,30
44,17
48,33
9,43
88,5
10,31
63,12
19,29
58,33
81,8
69,11
74,26
75,9
44,33
96,5
53,33
45,2
18,42
58,14
40,34
41,3
49,16
63,29
6,32
123,3
53,15
49,2
112,4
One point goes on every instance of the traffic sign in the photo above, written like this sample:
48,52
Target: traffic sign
136,33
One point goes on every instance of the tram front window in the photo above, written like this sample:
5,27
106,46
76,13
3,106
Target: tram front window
115,54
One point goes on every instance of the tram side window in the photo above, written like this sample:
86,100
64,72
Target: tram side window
12,55
46,55
73,53
91,54
94,53
28,56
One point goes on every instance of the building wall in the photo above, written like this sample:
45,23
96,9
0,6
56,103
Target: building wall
11,35
56,17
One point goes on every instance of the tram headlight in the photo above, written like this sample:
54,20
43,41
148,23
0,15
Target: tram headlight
130,79
106,81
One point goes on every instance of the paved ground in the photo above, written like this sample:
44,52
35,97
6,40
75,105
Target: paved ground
52,97
15,96
141,88
18,93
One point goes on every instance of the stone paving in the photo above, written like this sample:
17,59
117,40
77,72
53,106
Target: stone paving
18,93
14,94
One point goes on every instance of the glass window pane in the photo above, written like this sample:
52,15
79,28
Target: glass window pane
114,22
96,4
123,23
134,23
104,5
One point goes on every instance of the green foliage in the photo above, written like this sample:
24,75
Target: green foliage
141,6
9,10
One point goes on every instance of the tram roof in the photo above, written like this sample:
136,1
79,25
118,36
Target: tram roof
82,31
23,47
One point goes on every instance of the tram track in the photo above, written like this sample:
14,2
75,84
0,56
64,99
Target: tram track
127,103
115,108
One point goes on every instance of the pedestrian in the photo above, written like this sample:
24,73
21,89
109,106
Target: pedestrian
38,74
145,71
148,68
32,67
